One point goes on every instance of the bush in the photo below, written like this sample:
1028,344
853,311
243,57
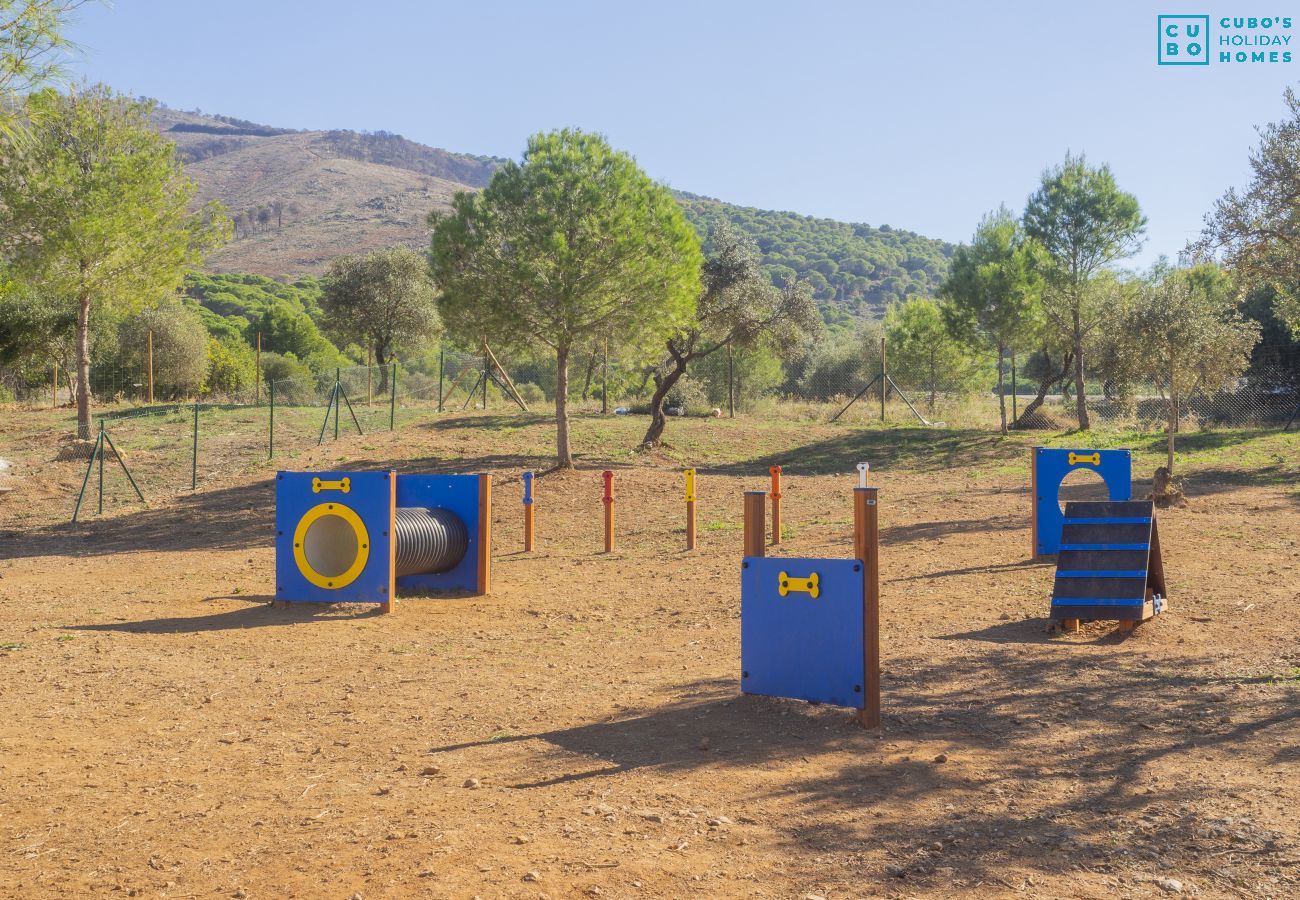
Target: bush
180,345
532,394
232,367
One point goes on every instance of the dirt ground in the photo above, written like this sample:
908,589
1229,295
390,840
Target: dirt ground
165,732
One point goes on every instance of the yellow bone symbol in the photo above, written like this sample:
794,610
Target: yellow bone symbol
344,485
690,484
1076,458
810,585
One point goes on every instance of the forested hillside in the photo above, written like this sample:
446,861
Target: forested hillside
859,267
299,198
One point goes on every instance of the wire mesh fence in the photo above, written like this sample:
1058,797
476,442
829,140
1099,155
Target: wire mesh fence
172,448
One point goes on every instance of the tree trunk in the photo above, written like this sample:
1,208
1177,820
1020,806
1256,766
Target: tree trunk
1044,385
657,418
83,367
591,371
563,452
1002,394
1172,429
1081,397
381,360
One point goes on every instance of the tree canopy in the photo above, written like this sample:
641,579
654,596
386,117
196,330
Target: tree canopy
572,244
993,290
1085,223
94,211
382,300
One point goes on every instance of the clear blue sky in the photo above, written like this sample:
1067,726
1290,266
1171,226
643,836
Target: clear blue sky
920,115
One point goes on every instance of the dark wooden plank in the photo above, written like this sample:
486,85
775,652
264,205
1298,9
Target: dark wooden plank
1075,560
1119,613
1105,534
1095,509
1101,588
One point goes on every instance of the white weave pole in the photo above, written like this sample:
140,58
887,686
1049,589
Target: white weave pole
863,469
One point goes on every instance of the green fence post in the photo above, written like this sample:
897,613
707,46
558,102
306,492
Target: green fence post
337,388
270,444
101,467
194,465
442,357
392,399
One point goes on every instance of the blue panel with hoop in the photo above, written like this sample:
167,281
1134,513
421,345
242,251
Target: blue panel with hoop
1050,467
332,536
802,629
455,493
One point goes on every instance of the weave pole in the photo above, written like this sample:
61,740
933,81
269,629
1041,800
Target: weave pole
528,512
608,500
776,504
690,508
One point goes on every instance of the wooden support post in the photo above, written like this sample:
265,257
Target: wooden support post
755,524
608,500
390,592
528,512
1033,503
484,534
866,547
149,342
690,508
775,471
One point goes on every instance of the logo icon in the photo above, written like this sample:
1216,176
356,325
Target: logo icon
1183,40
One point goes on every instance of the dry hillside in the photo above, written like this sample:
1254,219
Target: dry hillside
352,192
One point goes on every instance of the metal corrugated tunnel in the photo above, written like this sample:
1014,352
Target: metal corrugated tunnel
428,541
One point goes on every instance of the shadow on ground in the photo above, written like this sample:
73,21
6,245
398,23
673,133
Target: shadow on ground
1100,754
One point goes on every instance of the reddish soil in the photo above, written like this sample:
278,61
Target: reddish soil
165,732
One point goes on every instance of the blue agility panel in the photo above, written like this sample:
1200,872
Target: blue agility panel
333,536
1050,467
345,536
1110,565
802,629
458,494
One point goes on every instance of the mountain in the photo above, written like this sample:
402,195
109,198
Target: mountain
301,198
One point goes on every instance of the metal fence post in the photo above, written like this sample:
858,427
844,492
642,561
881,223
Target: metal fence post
101,467
270,443
338,386
194,464
442,358
392,398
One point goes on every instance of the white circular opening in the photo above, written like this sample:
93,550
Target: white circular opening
1082,484
330,545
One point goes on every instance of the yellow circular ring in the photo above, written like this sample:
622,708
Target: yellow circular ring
358,529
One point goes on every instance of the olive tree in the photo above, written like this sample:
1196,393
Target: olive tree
738,306
1192,337
570,245
383,300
